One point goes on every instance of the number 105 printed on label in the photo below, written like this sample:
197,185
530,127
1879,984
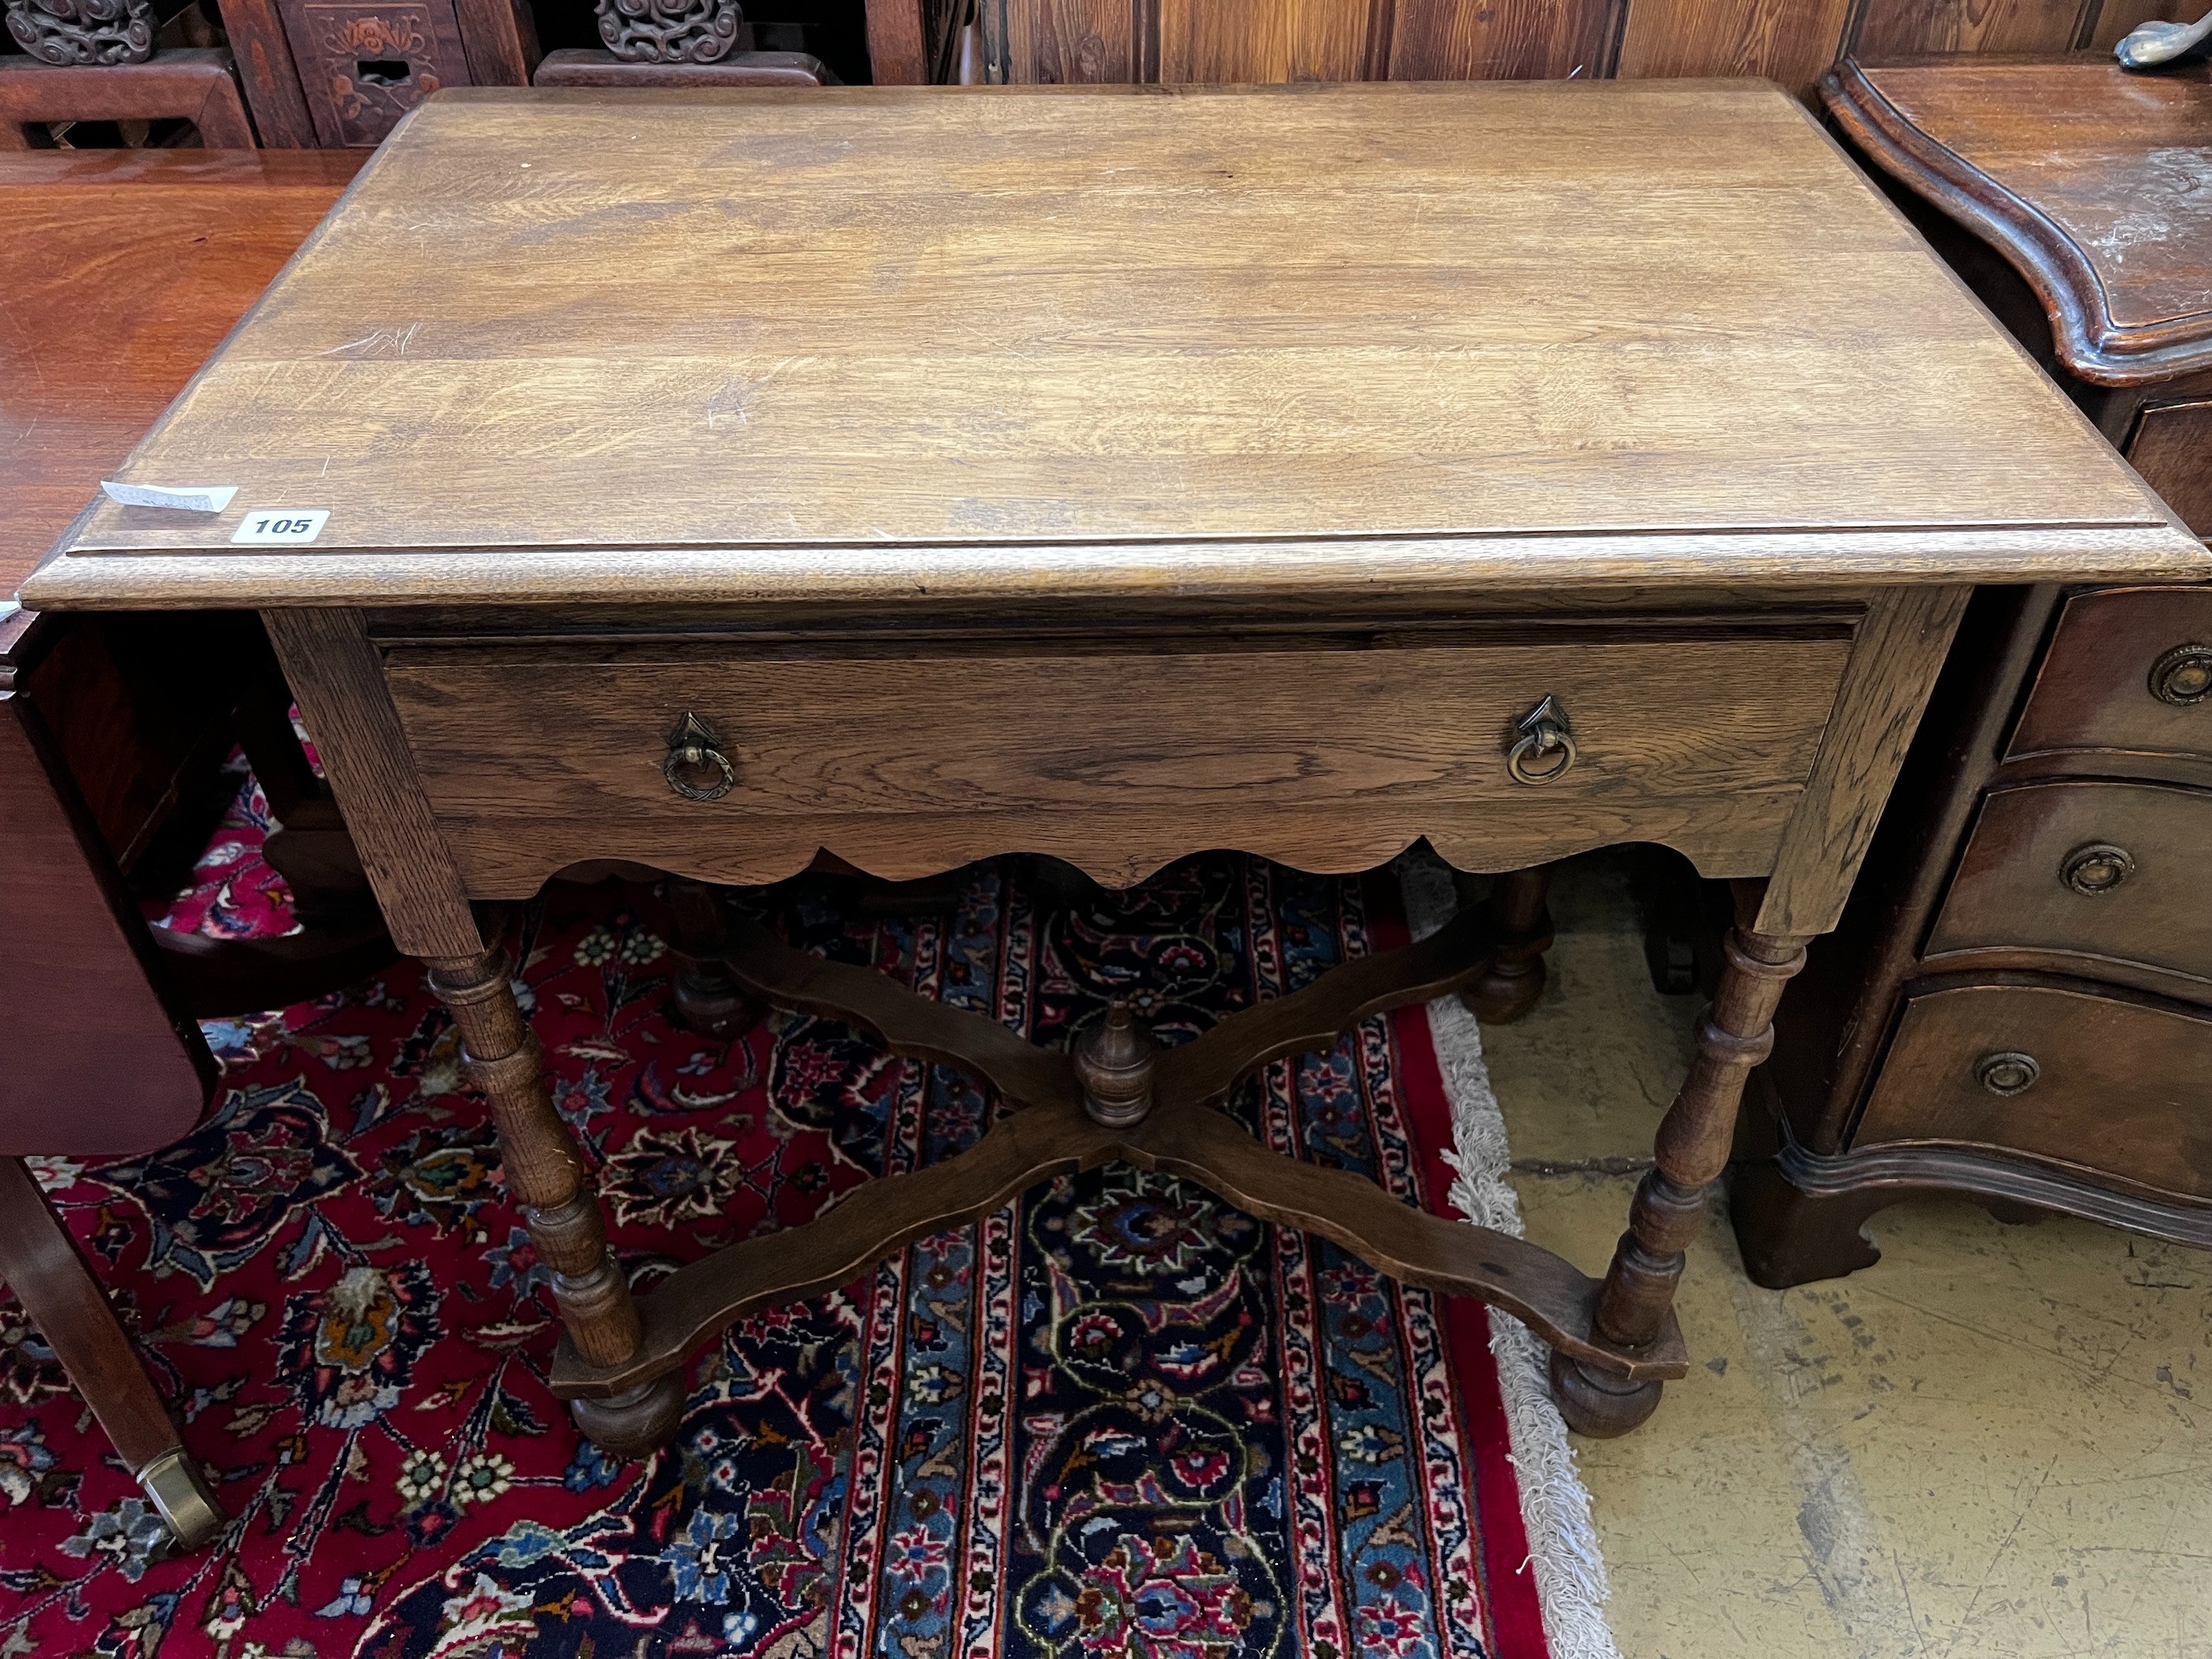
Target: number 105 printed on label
278,526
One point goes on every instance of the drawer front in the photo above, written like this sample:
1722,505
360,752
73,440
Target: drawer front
1119,761
2115,1088
2129,671
2109,870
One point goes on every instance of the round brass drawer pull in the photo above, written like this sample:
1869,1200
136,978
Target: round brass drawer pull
1544,733
696,768
2182,676
2007,1073
2097,868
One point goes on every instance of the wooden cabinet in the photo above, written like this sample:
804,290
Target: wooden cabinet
2019,1002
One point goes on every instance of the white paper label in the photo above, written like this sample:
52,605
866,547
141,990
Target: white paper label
195,498
280,525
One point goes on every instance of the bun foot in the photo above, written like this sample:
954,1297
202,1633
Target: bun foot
711,1004
1514,980
632,1424
1597,1403
1506,991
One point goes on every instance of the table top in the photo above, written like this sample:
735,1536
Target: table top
868,344
120,271
2096,184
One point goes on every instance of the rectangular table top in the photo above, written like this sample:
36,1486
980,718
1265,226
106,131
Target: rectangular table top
864,343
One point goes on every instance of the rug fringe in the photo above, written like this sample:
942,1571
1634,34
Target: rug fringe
1555,1506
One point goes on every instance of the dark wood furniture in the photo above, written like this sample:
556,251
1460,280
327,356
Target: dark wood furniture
110,726
2018,1004
73,31
197,86
339,74
1523,565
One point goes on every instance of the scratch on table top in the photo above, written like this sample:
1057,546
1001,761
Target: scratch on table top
398,339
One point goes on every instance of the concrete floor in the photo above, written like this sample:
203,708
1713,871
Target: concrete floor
1995,1441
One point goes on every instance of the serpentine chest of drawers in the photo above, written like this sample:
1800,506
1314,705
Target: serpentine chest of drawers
2018,1003
1306,471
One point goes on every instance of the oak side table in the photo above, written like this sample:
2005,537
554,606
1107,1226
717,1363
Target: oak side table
695,481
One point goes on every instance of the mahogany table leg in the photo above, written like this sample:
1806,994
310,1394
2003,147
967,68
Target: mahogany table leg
1634,1306
547,1179
42,1265
707,995
1509,987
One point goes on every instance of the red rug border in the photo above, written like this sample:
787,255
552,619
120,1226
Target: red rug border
1516,1608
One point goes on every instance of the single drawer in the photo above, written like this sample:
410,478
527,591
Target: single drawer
2128,670
2114,1088
1119,758
2114,872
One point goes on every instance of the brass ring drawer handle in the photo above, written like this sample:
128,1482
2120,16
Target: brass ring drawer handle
696,768
2182,676
2097,868
2005,1074
1544,734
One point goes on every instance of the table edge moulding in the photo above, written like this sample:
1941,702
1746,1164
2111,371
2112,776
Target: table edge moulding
516,677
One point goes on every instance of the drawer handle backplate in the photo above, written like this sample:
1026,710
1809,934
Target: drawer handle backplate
2007,1073
696,768
1545,733
2182,676
2097,868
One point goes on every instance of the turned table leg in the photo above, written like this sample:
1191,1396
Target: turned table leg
1509,985
1735,1034
708,997
546,1177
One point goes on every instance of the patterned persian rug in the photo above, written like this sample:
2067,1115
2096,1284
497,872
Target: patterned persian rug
1118,1419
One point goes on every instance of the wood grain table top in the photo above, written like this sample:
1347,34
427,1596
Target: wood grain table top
860,344
119,272
2095,183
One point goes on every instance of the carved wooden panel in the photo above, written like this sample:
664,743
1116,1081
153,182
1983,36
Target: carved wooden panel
1893,28
1791,41
363,65
1505,40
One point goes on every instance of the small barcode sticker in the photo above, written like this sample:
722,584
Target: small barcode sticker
278,526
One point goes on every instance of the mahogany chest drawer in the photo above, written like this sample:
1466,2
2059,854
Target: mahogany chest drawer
2115,1089
1120,759
2110,871
2128,670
